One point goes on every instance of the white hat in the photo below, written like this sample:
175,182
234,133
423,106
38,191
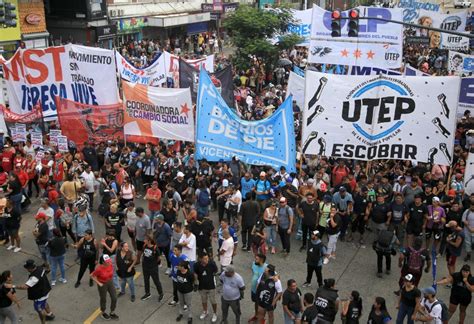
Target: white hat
225,183
263,174
435,199
180,175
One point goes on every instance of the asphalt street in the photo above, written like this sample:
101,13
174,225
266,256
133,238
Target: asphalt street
353,269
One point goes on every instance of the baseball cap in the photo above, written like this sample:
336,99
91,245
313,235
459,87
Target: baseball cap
180,175
160,217
225,183
316,233
436,199
282,199
409,277
263,174
342,189
429,291
29,264
327,198
41,216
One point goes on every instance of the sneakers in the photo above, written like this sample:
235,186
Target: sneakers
17,249
114,316
50,317
326,261
179,318
306,285
146,296
62,280
11,247
168,271
214,318
244,247
132,298
172,303
53,282
203,315
77,284
105,316
160,298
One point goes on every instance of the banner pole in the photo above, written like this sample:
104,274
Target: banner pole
448,180
367,168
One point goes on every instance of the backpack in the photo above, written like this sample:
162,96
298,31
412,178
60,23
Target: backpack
203,198
444,310
415,260
384,240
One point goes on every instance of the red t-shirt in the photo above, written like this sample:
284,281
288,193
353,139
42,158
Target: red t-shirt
104,272
7,161
155,193
23,177
53,196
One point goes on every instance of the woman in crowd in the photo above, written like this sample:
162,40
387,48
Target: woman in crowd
378,313
270,221
102,276
126,261
8,298
127,193
57,251
109,245
333,231
12,219
30,168
352,309
89,254
130,221
14,191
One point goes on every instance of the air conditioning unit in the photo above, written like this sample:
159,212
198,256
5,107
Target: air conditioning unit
120,12
113,13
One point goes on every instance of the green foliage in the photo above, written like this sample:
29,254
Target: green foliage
251,32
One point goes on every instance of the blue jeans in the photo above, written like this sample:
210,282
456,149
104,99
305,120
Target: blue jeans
288,320
55,261
16,200
153,214
403,311
131,285
115,278
44,251
202,211
271,235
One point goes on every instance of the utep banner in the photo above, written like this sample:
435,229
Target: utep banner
172,65
460,63
381,117
455,22
411,8
79,73
379,43
153,75
221,134
158,112
82,123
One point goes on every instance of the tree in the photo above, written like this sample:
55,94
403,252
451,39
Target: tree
252,30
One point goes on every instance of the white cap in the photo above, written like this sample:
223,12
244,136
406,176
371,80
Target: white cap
263,174
180,175
435,199
225,183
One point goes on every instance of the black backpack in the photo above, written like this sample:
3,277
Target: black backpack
384,241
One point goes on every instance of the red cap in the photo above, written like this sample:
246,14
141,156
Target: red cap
41,216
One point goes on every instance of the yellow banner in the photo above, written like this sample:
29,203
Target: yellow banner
11,33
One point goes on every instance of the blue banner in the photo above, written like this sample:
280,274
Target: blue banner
221,134
366,70
411,71
298,71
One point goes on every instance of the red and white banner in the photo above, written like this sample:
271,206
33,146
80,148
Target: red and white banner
79,73
158,112
172,65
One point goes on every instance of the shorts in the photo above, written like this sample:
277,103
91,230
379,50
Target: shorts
208,294
131,233
268,308
436,233
140,245
451,259
463,300
40,305
414,231
12,231
254,297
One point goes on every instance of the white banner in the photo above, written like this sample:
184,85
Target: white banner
379,43
79,73
460,63
158,112
172,65
296,89
152,75
301,26
380,117
455,22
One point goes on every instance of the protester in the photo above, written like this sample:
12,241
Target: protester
150,263
233,288
327,301
409,300
8,298
204,272
89,248
57,251
126,261
103,277
314,259
292,303
184,280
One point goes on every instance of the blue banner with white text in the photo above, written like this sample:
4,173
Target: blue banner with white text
221,134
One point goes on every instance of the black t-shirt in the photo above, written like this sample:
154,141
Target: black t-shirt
114,218
334,230
4,300
15,186
310,314
417,215
409,297
184,282
427,198
398,212
310,212
57,246
43,231
180,187
203,231
452,215
169,215
292,300
12,218
379,212
206,275
249,211
360,204
460,289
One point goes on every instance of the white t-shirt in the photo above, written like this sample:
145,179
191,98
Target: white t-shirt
238,195
228,247
435,311
89,181
190,249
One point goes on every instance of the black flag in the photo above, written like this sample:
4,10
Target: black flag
222,79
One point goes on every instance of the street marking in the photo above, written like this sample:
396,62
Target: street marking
97,312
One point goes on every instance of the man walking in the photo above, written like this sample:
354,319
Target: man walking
285,224
233,288
314,259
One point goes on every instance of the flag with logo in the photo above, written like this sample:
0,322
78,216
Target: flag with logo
82,123
379,43
158,112
380,117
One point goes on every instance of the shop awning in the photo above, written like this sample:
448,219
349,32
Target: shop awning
34,35
178,19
